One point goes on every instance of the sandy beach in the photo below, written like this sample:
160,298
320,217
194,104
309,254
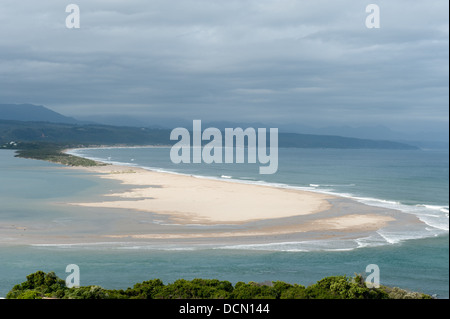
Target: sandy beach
188,200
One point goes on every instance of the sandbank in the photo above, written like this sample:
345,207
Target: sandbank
188,200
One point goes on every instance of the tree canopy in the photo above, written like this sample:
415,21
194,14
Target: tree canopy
40,285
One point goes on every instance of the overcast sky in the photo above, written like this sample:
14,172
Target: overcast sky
277,61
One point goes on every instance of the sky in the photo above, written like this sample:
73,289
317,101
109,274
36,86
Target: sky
269,61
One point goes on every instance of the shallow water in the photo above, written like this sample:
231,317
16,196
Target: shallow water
415,182
419,265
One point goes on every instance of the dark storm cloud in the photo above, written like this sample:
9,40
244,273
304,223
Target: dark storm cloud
283,61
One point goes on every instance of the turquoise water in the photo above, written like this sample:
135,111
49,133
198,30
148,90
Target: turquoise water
409,177
415,182
420,265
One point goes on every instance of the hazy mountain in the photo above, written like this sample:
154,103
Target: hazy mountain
34,113
113,135
88,134
137,121
437,138
322,137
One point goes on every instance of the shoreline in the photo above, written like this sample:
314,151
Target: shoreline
64,232
137,204
158,193
172,190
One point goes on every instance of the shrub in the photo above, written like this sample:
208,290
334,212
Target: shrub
196,289
145,290
253,290
38,284
398,293
343,287
41,285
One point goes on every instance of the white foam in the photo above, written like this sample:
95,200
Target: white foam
332,185
300,246
153,247
434,216
80,245
396,237
124,246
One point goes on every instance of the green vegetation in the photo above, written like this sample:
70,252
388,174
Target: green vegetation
50,152
88,134
41,285
96,134
45,140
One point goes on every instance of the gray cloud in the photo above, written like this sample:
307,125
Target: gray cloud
255,60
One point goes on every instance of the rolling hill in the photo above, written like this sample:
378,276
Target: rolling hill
34,113
93,134
33,123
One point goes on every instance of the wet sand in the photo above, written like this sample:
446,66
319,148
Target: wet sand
133,205
232,209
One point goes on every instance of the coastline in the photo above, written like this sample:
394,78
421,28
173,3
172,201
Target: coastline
54,231
193,200
235,211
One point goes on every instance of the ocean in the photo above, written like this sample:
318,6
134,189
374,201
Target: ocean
413,182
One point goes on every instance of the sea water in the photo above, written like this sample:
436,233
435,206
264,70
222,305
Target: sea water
414,182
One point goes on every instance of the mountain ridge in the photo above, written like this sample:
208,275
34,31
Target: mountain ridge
33,123
96,134
34,113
